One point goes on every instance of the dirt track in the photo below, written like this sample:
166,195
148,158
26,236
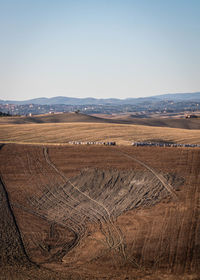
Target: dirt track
103,213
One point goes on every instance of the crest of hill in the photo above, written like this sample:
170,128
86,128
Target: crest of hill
83,118
164,122
54,118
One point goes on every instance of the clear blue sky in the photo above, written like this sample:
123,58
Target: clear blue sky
98,48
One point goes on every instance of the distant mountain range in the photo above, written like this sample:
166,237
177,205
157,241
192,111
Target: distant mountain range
176,97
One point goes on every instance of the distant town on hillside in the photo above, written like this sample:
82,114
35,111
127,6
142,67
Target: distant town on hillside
168,103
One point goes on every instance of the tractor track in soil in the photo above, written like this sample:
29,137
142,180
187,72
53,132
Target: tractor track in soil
111,239
9,205
43,217
167,186
65,204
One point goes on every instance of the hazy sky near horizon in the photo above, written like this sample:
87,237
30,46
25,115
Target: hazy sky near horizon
98,48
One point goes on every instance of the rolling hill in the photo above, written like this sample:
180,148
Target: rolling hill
53,118
128,119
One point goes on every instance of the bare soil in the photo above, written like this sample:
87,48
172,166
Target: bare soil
88,212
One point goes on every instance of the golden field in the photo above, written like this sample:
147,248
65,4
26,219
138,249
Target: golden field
123,134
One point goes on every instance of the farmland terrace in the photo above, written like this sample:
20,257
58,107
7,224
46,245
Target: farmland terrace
99,212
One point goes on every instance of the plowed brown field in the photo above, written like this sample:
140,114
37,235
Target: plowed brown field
97,212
